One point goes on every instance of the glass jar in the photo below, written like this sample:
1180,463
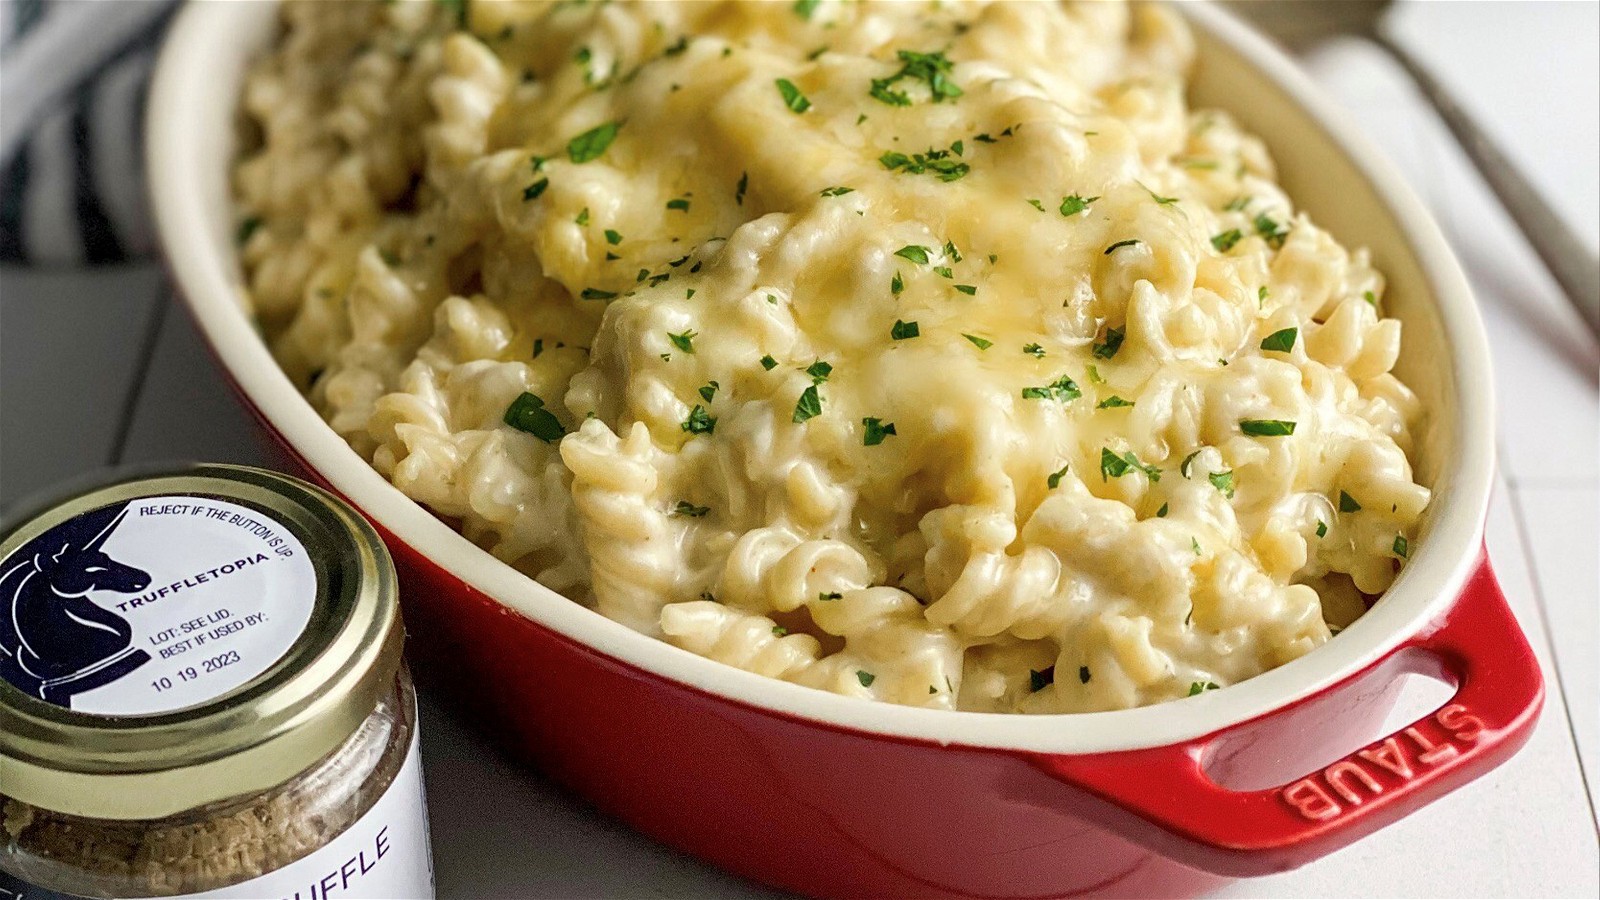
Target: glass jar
202,695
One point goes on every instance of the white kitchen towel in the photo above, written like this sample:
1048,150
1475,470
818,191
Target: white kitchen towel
72,81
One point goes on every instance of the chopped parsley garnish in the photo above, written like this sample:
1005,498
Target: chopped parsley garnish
1183,467
1108,348
877,430
597,294
709,391
1322,528
741,187
1033,350
1062,389
685,341
583,217
699,421
943,272
819,371
1162,512
1196,545
896,284
1084,675
838,191
1238,203
942,163
768,363
1200,687
1270,231
1267,427
592,143
1094,374
792,97
950,250
681,204
532,191
930,68
527,414
685,508
1071,206
678,46
1119,244
914,252
1054,481
459,8
1113,402
980,343
1113,465
1224,242
1281,341
830,596
248,227
804,8
779,631
538,347
1222,481
1261,295
1038,681
1160,200
903,330
613,237
866,678
1371,298
1401,548
1036,204
971,290
808,406
1348,503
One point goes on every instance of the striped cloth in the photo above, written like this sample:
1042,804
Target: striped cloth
72,82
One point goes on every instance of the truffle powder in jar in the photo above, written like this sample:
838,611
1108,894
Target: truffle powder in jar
202,695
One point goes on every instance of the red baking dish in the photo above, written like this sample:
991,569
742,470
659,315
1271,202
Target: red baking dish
831,795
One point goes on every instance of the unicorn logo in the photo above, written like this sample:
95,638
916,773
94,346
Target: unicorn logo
55,642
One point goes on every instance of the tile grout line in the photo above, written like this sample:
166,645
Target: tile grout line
141,373
1555,659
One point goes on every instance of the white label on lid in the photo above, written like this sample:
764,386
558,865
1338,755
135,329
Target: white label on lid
152,605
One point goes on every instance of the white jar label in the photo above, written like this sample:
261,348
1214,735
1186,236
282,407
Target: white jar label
152,605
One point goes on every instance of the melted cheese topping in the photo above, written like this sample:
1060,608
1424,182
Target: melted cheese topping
935,353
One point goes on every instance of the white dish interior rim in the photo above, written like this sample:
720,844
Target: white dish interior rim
192,96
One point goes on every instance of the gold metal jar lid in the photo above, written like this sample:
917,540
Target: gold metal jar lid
265,605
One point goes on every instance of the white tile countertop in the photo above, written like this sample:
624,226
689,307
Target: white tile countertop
102,367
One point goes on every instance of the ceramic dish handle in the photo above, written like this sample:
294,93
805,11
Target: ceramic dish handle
1173,806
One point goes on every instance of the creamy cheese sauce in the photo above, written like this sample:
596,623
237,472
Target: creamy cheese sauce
935,353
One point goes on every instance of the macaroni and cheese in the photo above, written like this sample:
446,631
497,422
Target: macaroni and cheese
936,353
